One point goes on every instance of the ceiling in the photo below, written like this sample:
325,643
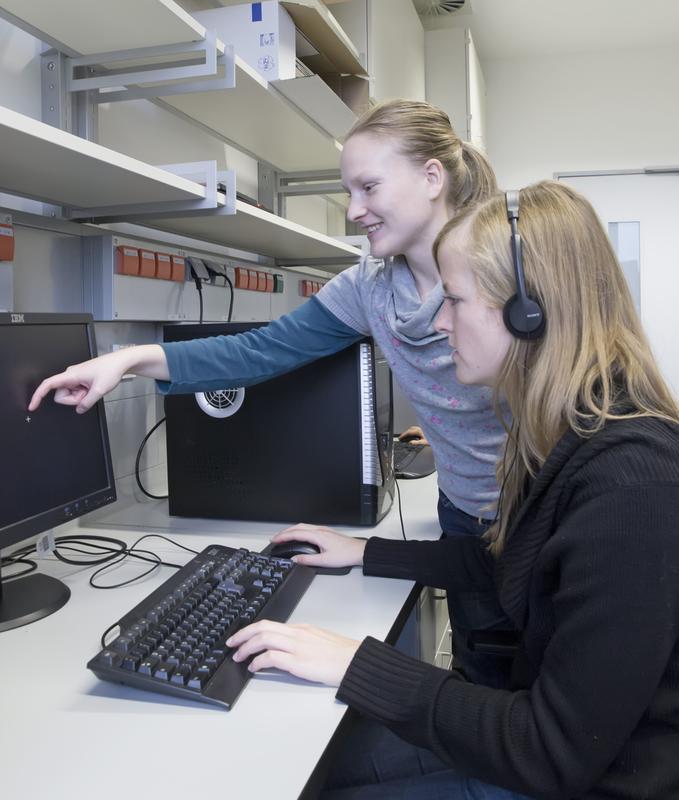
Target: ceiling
524,28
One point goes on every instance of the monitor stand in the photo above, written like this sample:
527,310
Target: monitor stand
25,600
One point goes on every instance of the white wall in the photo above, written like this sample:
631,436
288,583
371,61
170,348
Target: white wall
396,55
19,67
446,74
614,110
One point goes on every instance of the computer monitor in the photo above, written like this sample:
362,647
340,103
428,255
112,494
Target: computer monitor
55,464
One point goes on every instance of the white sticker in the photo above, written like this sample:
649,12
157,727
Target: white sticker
44,544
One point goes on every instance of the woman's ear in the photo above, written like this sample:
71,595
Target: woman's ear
435,175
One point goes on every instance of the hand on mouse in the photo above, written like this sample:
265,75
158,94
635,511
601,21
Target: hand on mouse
302,650
336,550
414,434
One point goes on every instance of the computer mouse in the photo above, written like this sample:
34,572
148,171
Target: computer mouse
411,437
293,548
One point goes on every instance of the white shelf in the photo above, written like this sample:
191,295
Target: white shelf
48,164
45,163
97,27
255,230
255,115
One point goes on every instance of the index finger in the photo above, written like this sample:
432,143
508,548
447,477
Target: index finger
48,385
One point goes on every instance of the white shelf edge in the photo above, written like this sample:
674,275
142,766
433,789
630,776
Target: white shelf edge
53,154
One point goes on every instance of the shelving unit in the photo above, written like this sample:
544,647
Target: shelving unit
276,122
48,164
40,162
99,27
255,115
272,235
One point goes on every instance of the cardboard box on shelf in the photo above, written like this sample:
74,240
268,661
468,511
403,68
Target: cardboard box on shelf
263,35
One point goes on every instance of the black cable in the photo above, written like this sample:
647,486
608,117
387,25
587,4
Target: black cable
131,551
230,284
105,634
114,552
400,512
29,563
137,461
199,286
155,563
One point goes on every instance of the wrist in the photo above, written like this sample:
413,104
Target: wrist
361,552
147,360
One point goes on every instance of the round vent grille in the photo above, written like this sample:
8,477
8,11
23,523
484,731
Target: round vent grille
435,8
221,402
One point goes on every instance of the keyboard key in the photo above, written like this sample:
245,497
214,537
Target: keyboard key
164,672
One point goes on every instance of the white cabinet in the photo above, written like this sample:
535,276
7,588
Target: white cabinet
454,81
396,55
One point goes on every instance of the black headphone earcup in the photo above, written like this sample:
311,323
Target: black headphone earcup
523,317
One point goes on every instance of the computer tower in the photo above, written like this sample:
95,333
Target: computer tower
313,445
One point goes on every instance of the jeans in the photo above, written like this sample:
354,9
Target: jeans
473,611
375,764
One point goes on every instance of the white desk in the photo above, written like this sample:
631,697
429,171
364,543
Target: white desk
65,735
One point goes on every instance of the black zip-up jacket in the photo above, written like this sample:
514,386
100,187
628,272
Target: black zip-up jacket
590,577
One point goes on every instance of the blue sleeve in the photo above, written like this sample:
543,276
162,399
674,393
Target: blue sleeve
225,362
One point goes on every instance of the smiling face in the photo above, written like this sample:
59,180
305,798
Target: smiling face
400,204
475,330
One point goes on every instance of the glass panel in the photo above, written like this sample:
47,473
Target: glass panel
624,237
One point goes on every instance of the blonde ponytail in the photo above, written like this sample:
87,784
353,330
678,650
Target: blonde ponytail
423,131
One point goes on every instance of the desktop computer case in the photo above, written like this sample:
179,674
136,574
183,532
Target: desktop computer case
313,445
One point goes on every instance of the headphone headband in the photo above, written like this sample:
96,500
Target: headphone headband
522,314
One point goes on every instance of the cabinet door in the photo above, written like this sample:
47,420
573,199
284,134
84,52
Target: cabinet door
455,83
650,204
396,50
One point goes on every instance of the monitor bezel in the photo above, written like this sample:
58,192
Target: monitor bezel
50,518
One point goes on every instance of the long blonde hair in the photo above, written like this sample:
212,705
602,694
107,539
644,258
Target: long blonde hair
424,131
593,363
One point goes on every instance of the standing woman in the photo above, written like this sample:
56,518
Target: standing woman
583,557
407,173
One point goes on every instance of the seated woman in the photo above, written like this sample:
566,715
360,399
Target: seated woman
583,553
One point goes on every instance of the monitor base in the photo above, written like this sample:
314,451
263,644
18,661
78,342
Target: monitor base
25,600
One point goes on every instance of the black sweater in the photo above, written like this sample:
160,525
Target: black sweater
590,577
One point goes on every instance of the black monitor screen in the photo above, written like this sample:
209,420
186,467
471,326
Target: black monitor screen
56,463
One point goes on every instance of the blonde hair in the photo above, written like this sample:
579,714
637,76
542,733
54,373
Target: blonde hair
593,363
424,131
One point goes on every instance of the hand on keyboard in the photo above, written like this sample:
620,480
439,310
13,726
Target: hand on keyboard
302,650
336,549
173,642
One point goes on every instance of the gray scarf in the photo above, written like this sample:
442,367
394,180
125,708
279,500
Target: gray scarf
409,318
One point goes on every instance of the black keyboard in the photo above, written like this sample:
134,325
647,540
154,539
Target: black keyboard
412,460
174,641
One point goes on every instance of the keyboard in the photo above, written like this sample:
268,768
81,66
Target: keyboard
173,642
412,460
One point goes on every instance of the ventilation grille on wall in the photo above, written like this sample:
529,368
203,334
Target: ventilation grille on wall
437,8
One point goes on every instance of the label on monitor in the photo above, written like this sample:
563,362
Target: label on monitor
44,544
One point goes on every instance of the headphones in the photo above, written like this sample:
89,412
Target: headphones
523,315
